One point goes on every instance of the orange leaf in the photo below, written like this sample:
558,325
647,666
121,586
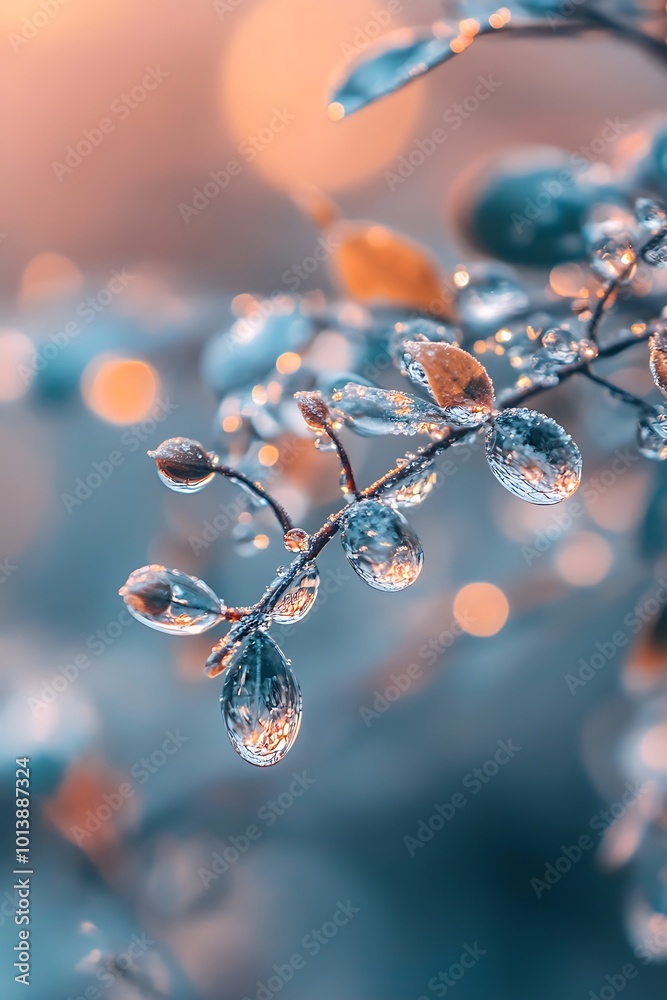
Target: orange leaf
454,377
373,264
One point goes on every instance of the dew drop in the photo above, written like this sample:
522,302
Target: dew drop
261,702
171,601
380,546
183,465
488,294
560,346
532,456
296,602
296,540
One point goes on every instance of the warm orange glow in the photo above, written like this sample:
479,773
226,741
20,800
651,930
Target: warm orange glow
49,275
231,423
119,390
288,362
654,747
584,559
17,355
268,455
481,609
259,395
261,541
469,26
266,67
568,281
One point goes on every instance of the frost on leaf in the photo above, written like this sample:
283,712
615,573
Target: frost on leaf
658,359
458,382
314,411
369,411
183,465
171,601
380,546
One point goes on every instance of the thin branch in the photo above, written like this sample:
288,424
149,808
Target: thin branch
616,282
282,516
616,390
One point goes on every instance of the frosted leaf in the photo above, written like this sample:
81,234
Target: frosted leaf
588,349
488,294
183,465
171,601
652,434
380,546
651,215
658,359
414,489
532,456
657,257
419,330
328,383
296,602
399,58
314,410
296,540
369,412
261,702
458,382
560,345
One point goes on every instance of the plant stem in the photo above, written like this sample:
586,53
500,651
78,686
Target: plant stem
282,516
615,284
615,390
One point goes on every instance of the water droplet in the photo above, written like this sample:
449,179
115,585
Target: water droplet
651,215
171,601
532,456
414,489
380,546
588,349
183,465
610,248
261,702
652,434
296,602
560,345
296,540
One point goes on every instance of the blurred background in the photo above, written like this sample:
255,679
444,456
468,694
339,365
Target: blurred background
166,168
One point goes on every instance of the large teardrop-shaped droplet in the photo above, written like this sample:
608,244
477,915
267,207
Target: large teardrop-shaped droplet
183,465
380,546
532,456
299,599
261,702
171,601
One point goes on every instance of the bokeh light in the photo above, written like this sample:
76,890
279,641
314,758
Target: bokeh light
481,609
584,559
120,390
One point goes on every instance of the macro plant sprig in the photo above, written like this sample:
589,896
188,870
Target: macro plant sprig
530,454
